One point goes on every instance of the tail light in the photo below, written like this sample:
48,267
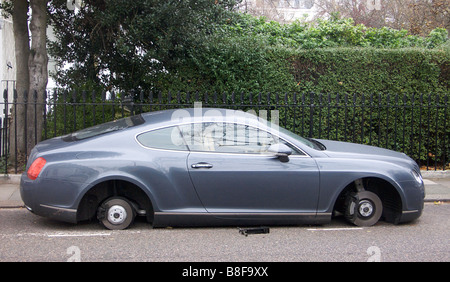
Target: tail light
35,168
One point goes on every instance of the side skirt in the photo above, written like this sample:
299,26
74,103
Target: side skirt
164,219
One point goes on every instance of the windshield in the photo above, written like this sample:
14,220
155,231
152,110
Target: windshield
307,141
104,128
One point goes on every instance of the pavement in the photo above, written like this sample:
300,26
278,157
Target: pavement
437,188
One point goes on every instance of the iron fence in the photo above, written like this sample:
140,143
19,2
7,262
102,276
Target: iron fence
416,124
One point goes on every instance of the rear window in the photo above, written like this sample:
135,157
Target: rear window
168,138
103,128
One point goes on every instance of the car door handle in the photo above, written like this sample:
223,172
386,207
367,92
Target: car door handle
202,165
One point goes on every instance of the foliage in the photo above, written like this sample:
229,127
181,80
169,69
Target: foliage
126,44
250,54
224,65
197,45
334,32
372,70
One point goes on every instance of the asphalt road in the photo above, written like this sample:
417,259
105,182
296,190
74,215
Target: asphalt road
27,237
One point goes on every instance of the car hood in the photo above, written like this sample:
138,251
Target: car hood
350,150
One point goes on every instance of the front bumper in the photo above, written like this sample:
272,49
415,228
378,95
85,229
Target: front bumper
415,200
408,216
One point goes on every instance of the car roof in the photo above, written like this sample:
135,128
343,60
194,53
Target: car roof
192,115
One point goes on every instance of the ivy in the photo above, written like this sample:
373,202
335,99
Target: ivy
334,32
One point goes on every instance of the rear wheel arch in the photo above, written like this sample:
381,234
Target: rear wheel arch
115,187
387,192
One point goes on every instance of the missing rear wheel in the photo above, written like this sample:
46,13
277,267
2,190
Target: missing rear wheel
116,213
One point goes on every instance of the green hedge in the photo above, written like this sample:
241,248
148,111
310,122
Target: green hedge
371,70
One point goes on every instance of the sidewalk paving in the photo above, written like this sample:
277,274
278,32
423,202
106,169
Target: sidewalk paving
437,188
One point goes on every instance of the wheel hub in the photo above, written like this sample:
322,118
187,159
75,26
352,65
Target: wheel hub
365,208
117,214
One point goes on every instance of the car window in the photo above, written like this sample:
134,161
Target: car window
168,138
229,138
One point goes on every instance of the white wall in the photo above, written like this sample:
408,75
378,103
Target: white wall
7,57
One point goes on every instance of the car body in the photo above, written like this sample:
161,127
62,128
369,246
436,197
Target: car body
215,167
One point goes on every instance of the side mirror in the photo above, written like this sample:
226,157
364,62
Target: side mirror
281,151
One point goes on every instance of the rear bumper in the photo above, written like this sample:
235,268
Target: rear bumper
31,197
57,213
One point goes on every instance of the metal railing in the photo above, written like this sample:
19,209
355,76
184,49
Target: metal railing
416,124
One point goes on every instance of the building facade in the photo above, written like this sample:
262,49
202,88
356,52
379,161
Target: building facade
284,11
7,55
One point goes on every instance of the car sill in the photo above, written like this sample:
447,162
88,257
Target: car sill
204,219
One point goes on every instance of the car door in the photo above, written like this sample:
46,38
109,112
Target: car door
233,172
163,169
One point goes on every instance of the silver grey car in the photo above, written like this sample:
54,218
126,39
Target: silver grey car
216,167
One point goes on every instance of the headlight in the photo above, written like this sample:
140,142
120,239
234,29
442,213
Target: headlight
417,176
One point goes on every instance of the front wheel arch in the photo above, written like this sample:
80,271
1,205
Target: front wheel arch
386,191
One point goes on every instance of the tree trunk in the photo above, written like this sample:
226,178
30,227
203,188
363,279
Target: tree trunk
22,51
38,74
31,77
